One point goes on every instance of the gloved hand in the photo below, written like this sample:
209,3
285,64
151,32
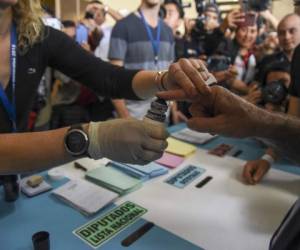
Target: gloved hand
127,141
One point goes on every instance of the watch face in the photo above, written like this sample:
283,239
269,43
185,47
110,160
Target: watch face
76,142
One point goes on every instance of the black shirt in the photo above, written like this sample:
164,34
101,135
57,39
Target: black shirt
294,88
60,52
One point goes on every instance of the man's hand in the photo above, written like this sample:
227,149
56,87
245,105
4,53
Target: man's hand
223,112
127,141
254,171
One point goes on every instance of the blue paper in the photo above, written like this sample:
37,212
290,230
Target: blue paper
144,172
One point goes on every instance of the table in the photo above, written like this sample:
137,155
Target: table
224,214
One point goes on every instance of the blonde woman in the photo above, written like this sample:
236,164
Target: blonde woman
38,46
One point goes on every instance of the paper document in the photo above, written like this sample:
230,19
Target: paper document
86,197
170,161
192,136
180,148
113,179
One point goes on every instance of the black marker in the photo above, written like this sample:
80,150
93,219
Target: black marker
203,182
237,153
137,234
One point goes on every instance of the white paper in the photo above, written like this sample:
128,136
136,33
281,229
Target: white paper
87,197
225,213
191,136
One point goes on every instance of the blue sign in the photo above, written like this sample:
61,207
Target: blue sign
185,176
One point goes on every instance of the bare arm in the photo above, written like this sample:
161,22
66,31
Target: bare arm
26,152
114,14
294,106
224,113
119,104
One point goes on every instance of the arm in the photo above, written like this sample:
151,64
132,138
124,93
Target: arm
26,152
113,13
294,106
270,18
119,104
224,113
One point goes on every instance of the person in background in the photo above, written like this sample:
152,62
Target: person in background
276,81
151,48
174,18
65,93
100,16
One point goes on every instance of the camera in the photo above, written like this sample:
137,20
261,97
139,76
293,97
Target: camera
218,63
275,92
259,5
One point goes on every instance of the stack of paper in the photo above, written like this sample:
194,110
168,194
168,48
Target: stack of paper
170,161
144,172
113,179
180,148
84,196
192,136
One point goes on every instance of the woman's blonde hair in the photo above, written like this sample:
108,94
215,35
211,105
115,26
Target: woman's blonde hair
27,15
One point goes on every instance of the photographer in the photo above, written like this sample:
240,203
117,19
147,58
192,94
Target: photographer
205,34
275,98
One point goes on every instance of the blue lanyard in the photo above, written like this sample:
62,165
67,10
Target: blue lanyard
10,107
155,44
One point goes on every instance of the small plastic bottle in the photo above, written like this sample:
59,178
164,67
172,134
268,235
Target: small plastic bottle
157,113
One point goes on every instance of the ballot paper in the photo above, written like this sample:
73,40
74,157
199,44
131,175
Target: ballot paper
179,148
113,179
192,136
170,160
143,172
86,197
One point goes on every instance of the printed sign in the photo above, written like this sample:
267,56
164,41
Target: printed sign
185,176
99,230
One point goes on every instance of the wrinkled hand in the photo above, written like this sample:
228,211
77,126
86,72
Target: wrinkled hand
225,113
185,80
127,141
254,171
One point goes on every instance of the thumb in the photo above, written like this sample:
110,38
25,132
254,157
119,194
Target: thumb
203,124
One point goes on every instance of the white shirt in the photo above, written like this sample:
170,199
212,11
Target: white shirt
103,47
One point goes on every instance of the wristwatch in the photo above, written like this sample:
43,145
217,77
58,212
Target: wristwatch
76,141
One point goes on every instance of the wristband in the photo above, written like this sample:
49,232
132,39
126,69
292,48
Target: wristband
268,158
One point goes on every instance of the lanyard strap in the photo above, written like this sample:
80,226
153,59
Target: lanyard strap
155,43
10,107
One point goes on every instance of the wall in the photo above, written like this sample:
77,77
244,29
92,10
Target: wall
68,7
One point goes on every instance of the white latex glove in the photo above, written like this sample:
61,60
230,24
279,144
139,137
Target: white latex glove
127,140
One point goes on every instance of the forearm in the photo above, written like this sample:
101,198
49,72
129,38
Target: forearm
114,14
146,84
121,108
27,152
282,132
